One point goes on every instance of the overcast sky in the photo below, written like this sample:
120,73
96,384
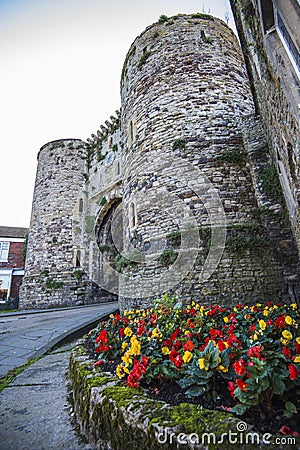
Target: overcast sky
61,62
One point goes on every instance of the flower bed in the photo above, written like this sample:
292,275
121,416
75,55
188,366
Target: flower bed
246,361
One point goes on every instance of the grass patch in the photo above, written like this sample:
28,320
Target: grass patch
234,156
179,144
270,183
167,258
11,374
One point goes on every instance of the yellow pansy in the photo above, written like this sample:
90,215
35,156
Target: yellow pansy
124,346
262,324
297,360
284,341
187,356
298,340
225,319
127,358
222,368
156,332
165,351
266,312
135,347
294,306
255,337
202,364
128,332
287,335
289,320
120,371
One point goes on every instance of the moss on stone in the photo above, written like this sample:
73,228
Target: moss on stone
114,415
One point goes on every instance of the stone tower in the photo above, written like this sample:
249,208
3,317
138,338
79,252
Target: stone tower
171,196
53,261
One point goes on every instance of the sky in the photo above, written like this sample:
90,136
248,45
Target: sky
61,62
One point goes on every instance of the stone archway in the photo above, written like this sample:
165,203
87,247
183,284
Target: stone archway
109,238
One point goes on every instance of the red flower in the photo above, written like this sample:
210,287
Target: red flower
254,352
102,337
242,385
98,363
121,332
288,431
293,371
239,367
287,352
189,345
231,388
297,346
280,322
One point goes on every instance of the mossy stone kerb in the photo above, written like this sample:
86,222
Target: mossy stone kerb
114,416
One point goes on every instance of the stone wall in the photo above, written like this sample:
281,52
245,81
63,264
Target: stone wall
185,93
177,193
50,261
276,88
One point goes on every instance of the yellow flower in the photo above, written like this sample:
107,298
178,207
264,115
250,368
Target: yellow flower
225,319
165,351
222,368
298,340
226,344
124,346
297,359
120,371
126,358
187,356
262,324
128,332
289,320
187,332
284,341
156,333
255,337
287,335
135,348
266,312
202,364
294,306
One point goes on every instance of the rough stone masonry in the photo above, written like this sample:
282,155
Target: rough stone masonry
170,195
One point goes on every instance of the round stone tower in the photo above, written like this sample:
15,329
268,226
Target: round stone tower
187,178
50,258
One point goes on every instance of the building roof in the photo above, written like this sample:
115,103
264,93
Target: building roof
13,232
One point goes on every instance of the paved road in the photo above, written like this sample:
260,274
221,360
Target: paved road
30,334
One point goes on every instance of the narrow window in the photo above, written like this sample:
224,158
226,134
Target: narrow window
117,168
110,142
132,215
80,208
130,134
78,258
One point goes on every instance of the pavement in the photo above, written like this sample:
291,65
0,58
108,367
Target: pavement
36,411
29,334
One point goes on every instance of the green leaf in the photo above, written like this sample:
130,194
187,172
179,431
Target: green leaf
178,305
278,386
290,409
239,409
185,382
195,391
225,357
